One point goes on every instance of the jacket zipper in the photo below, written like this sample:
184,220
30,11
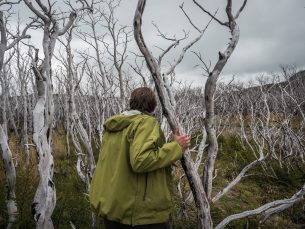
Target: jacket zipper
145,189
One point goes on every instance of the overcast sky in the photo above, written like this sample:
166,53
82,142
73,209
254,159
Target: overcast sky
272,34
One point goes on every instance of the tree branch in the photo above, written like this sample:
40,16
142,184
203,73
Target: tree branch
266,210
241,9
208,13
21,37
36,11
187,16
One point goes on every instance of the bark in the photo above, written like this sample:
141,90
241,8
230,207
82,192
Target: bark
4,89
45,196
202,145
79,163
10,178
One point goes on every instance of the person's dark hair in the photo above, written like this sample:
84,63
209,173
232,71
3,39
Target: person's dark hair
143,99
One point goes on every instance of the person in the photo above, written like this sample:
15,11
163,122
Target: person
131,184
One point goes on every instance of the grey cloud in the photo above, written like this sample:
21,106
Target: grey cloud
272,33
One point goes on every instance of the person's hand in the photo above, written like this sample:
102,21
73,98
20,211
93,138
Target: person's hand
183,140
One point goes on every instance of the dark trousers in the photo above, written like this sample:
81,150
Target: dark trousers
114,225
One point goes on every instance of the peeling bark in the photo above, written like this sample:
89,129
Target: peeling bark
10,178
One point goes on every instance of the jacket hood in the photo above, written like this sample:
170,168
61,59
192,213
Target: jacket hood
121,121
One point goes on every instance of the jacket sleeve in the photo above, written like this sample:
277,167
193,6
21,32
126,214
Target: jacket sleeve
146,153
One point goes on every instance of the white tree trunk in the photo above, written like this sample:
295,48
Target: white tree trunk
203,207
266,210
45,196
9,167
43,113
10,178
210,88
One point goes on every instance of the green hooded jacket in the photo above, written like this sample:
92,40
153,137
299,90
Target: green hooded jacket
131,182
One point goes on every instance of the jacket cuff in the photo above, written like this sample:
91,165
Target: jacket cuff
177,150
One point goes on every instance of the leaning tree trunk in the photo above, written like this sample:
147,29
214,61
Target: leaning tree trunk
10,178
9,167
201,201
23,76
77,129
76,123
25,138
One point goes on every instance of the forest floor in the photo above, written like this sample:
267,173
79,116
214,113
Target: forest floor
263,185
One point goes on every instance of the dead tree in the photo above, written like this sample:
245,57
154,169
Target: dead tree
267,209
43,113
167,103
138,69
10,112
190,110
210,88
120,37
23,72
265,115
106,34
74,73
74,76
260,131
6,152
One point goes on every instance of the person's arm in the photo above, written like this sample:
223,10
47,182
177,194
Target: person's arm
145,154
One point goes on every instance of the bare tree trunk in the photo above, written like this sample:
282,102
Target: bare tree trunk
22,64
67,123
10,178
25,127
210,88
43,113
202,204
120,38
86,161
45,196
4,89
6,152
76,122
